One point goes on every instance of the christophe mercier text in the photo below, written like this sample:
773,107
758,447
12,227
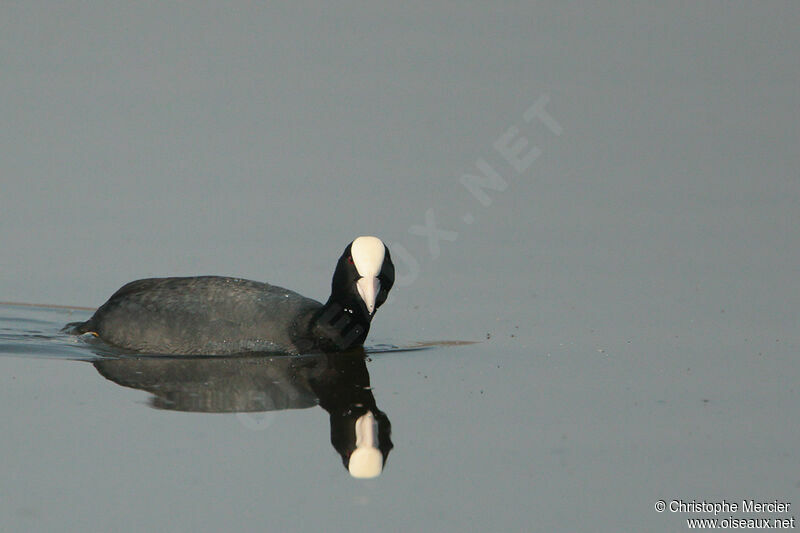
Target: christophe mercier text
725,507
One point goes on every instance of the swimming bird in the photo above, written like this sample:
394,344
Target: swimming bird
214,315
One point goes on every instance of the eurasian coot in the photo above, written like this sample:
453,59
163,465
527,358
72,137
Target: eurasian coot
213,315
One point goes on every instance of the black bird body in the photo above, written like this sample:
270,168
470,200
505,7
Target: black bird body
213,315
204,315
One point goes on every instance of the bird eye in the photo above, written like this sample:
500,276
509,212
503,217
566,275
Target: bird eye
350,259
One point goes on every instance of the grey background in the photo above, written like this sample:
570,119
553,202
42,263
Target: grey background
646,262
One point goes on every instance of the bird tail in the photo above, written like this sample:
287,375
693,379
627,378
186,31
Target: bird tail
78,328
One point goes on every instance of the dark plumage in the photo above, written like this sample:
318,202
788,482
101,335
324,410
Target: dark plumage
213,315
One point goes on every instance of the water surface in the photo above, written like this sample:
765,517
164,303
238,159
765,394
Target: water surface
630,274
485,435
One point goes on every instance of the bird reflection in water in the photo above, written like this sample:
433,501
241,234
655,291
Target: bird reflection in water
339,383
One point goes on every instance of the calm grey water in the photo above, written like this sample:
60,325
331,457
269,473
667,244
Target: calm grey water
604,197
